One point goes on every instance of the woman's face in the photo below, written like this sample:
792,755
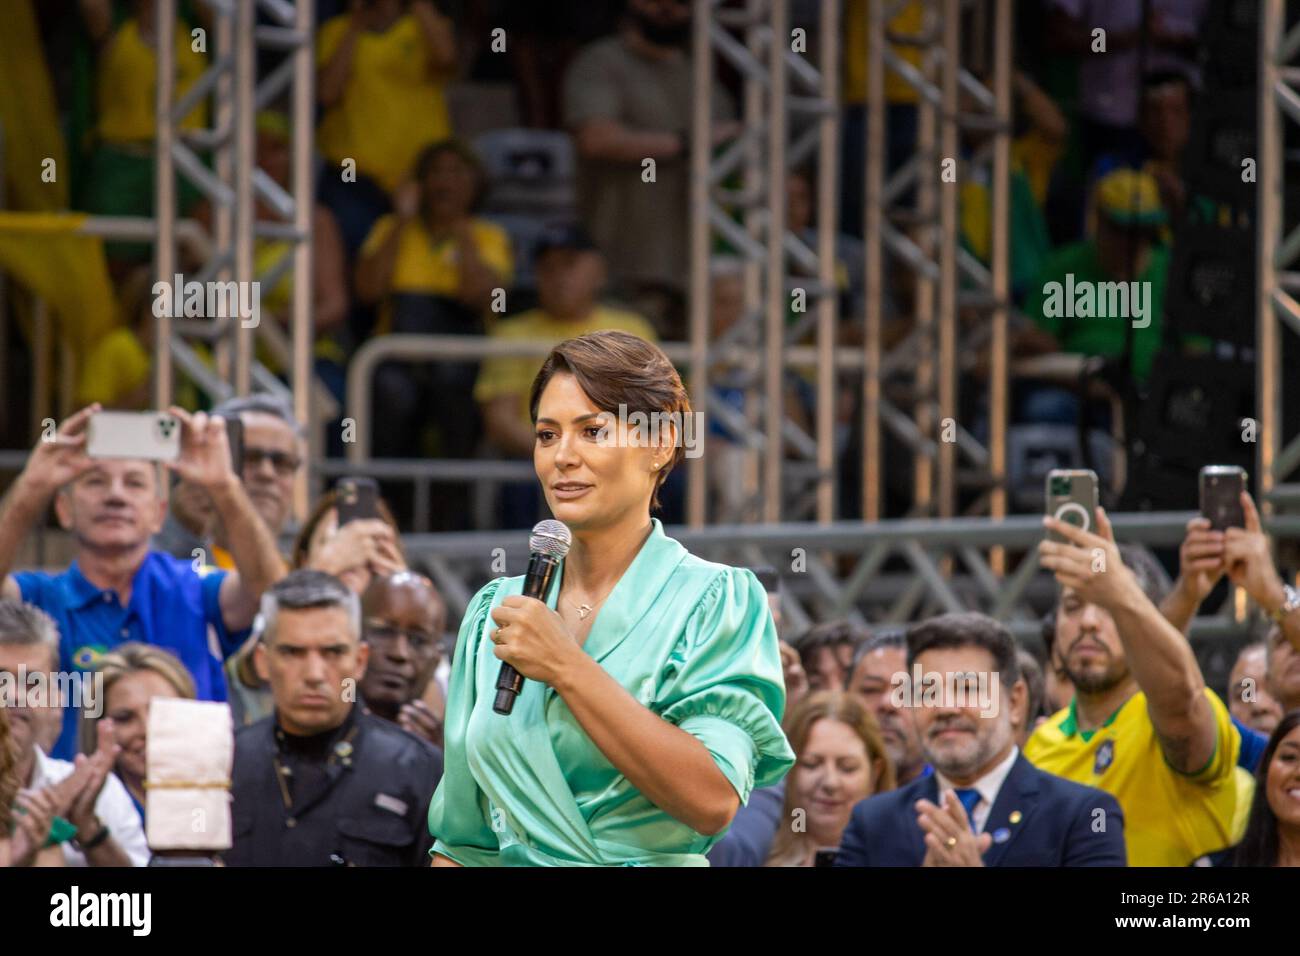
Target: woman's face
128,706
593,471
1284,780
449,187
833,773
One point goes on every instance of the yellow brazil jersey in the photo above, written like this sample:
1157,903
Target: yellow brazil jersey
514,376
117,364
428,267
1170,818
909,21
127,84
392,106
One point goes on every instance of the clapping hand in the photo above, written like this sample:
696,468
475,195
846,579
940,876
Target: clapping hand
949,840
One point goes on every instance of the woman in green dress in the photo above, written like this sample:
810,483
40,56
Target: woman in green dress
653,691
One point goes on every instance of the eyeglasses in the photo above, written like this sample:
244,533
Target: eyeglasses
283,462
380,632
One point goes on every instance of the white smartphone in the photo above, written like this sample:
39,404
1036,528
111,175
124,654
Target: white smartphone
154,436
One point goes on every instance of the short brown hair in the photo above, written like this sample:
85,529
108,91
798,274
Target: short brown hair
618,368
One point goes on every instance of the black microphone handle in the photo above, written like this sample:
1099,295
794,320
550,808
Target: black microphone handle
537,582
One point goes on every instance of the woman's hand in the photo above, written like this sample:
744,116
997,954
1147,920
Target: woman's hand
32,825
415,717
95,768
532,639
358,550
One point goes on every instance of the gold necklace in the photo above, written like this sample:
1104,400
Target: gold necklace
585,609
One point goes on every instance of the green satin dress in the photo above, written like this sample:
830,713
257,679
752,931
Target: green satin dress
691,640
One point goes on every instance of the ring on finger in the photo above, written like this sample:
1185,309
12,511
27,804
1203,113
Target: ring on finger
951,842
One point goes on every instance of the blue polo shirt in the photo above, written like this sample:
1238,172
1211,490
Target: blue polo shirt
172,606
1253,745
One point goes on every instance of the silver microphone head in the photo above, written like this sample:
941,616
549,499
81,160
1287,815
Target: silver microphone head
550,537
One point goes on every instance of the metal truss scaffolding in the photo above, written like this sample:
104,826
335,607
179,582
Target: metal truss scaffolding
1277,249
789,118
960,306
232,183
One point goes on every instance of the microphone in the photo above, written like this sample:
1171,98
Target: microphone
549,543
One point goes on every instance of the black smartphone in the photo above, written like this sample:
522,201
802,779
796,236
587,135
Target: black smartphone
826,857
235,439
1221,488
1072,498
358,499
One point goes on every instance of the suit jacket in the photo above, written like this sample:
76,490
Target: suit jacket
1056,824
749,839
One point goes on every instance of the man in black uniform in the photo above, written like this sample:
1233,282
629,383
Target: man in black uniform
322,781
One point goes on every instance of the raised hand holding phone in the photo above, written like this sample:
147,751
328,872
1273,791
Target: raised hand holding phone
204,457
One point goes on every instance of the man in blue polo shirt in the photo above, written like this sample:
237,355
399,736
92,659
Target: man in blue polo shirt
117,589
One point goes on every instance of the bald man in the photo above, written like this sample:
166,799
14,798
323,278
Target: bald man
403,618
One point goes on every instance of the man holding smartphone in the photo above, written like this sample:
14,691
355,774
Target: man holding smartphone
1245,555
118,589
1143,725
266,460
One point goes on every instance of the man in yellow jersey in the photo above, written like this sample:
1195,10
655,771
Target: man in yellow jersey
1142,726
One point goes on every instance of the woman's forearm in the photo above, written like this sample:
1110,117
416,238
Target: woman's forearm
332,78
477,279
376,269
673,769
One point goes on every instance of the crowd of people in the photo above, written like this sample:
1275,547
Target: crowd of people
542,224
195,581
1109,749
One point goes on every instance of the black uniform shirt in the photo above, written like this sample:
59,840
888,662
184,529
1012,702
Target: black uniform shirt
357,795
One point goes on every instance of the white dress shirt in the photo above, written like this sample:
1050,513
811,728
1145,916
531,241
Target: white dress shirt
987,785
114,809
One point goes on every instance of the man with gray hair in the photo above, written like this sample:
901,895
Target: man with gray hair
270,455
322,781
93,816
118,588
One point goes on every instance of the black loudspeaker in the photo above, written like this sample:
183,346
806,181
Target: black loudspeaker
1222,139
1211,286
1192,416
1230,35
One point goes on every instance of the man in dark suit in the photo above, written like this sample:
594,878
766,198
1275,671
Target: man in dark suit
985,804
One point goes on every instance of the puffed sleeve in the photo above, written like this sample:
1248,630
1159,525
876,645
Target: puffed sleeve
459,819
723,683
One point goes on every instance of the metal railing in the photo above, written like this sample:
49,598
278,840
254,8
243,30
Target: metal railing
882,572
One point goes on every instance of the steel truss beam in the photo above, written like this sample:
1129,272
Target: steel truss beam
790,114
232,185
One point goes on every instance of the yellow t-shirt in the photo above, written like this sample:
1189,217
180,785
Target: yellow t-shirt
514,376
430,268
116,365
1170,818
909,21
392,106
127,84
